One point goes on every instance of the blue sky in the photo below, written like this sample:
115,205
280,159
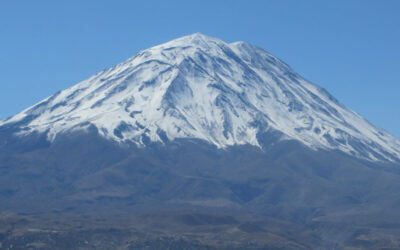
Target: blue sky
350,47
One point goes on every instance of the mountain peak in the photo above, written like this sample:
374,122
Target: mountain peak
201,87
196,40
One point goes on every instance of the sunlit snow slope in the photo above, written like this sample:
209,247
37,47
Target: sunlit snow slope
201,87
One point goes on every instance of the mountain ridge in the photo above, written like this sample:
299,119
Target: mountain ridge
201,87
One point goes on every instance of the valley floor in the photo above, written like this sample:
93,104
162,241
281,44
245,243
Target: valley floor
185,229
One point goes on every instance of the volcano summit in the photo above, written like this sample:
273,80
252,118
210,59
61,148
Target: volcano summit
201,87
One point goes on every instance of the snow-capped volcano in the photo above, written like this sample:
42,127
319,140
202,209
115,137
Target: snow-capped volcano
201,87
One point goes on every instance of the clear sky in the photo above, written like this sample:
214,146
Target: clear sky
349,47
